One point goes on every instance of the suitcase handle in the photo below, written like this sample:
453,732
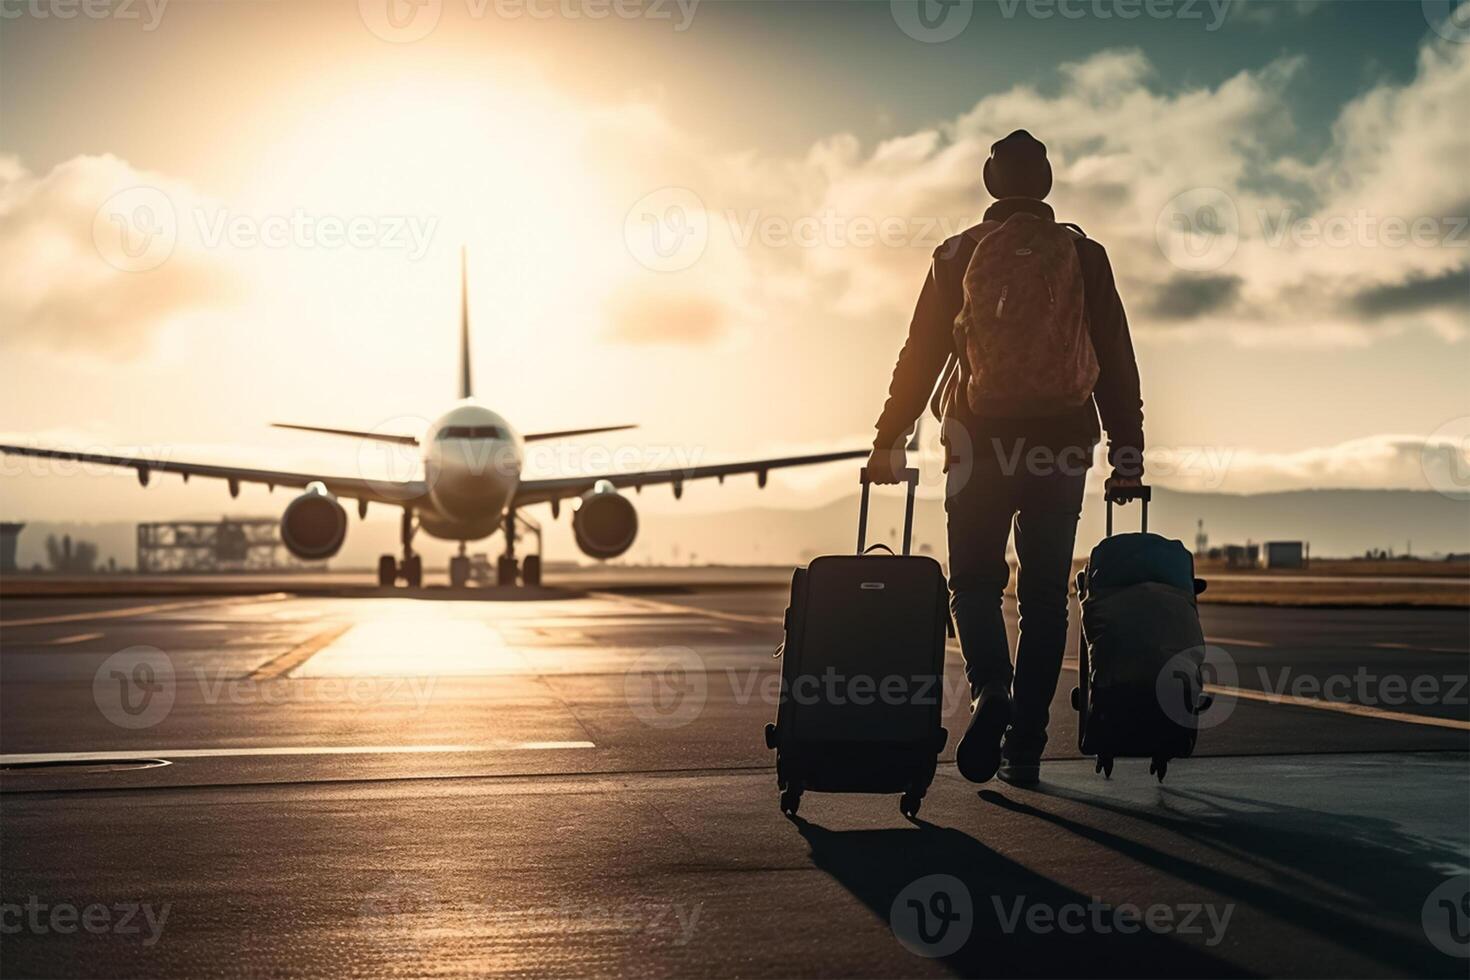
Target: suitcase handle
910,475
1121,495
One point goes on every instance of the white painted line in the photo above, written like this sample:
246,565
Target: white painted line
1227,642
1392,646
250,750
82,617
673,607
1342,707
62,641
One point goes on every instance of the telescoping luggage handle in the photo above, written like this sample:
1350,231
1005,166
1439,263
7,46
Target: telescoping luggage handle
1121,495
911,477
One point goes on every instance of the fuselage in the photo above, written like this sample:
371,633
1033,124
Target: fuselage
472,466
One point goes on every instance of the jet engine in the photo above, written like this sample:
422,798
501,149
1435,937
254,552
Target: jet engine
314,525
604,522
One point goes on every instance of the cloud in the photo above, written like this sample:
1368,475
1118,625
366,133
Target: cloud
1336,247
652,316
1187,297
1449,291
1389,461
76,275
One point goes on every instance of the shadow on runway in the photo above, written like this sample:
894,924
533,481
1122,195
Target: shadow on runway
1327,873
877,865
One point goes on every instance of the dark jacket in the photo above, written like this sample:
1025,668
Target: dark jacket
931,342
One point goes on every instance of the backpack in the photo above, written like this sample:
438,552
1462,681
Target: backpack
1022,334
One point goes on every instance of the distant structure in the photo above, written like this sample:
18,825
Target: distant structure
1240,555
249,544
1201,539
1285,554
9,538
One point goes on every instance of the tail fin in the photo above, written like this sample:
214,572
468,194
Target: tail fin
465,389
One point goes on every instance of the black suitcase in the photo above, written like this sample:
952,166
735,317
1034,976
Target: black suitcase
1140,684
862,672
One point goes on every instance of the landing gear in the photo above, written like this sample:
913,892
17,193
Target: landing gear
411,568
459,569
508,568
505,570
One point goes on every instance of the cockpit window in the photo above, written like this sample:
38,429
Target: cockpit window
470,432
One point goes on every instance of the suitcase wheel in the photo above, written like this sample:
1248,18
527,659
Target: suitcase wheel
908,804
1076,699
790,801
1105,766
1159,767
770,736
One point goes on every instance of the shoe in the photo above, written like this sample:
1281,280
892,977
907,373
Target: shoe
1020,772
978,755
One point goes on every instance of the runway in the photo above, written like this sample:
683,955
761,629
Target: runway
578,786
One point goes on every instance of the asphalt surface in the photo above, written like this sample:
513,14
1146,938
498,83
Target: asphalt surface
578,786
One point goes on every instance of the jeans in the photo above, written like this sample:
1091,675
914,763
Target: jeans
989,488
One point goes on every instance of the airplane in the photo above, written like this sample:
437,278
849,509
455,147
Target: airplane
471,487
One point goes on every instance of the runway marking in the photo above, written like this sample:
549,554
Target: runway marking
1227,642
673,607
1342,707
414,646
82,617
289,750
62,641
282,665
1392,646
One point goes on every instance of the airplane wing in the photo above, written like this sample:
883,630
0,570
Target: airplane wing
355,488
541,491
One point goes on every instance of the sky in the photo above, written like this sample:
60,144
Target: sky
712,219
